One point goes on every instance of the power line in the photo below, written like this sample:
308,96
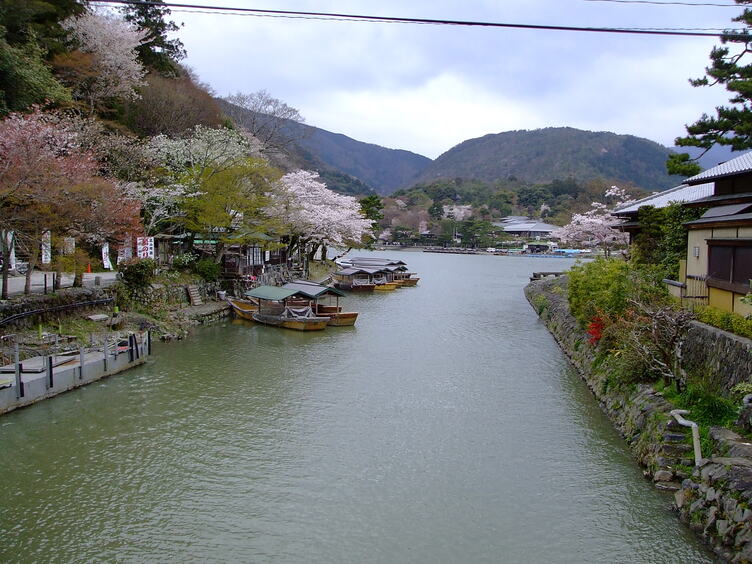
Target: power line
390,19
658,3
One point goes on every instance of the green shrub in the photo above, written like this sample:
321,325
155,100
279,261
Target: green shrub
207,269
540,302
605,287
705,407
184,261
725,320
137,274
598,287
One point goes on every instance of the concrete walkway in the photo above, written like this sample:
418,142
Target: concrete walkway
16,283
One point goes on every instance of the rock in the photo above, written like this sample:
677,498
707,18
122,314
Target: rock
668,486
722,526
729,505
697,505
738,515
745,535
663,476
710,517
723,434
674,437
711,495
679,499
740,450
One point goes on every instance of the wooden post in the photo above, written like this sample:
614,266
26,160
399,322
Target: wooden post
106,353
50,381
19,368
81,358
148,342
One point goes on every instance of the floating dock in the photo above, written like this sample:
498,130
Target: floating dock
35,379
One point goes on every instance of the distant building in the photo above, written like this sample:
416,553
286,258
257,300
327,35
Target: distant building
525,227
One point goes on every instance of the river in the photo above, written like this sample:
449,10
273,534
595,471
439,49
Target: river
447,426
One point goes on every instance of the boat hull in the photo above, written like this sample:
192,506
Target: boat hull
343,318
303,324
410,282
354,287
388,287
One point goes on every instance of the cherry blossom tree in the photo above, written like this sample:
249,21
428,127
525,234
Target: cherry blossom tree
316,216
596,228
49,182
109,67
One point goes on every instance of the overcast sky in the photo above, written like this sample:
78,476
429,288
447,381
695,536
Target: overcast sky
426,88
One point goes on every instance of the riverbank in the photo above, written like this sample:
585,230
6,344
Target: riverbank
714,499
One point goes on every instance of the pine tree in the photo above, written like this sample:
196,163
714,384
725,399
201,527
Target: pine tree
732,124
157,52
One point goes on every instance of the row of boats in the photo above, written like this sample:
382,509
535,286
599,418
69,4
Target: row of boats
369,274
307,306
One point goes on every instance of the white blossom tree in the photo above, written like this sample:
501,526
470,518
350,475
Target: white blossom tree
596,228
111,44
316,216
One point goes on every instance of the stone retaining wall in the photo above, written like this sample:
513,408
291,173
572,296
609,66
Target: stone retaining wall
715,500
725,357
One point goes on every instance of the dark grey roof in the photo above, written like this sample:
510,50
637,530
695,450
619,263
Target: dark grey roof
723,219
739,165
722,211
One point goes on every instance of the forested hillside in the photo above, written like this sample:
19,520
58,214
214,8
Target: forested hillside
545,155
346,165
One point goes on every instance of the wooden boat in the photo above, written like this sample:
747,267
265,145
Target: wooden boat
309,293
354,280
268,306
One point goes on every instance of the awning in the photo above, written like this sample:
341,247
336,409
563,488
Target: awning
311,289
272,293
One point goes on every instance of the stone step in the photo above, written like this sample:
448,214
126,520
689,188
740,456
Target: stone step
194,296
668,486
674,437
675,450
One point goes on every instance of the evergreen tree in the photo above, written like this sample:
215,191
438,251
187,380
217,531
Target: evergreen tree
732,124
157,52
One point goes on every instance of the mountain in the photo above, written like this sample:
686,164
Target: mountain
543,155
346,165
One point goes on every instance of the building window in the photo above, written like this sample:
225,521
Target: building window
730,264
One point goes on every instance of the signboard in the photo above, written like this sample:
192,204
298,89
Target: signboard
46,247
69,245
106,256
125,251
145,247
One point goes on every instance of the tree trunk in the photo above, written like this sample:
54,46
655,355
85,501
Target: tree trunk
6,265
33,258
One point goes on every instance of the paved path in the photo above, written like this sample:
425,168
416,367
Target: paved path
16,283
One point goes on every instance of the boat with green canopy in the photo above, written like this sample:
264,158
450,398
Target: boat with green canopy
310,293
269,305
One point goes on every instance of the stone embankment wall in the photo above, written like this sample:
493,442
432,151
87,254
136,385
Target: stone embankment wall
22,304
715,500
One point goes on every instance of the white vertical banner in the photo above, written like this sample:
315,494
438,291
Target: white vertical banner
125,251
69,245
46,247
10,241
145,247
106,256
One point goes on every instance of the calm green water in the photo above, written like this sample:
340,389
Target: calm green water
445,427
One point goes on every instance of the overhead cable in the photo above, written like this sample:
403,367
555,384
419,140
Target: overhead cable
426,21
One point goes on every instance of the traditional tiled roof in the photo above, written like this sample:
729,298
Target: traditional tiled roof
739,165
535,226
681,193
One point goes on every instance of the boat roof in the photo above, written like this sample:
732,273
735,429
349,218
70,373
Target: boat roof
375,261
364,269
309,289
272,293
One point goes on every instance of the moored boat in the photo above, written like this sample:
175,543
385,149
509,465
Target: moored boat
309,293
268,305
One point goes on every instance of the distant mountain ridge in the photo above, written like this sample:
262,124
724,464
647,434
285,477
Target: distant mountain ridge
534,156
543,155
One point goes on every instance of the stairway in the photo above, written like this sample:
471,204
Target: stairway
194,295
